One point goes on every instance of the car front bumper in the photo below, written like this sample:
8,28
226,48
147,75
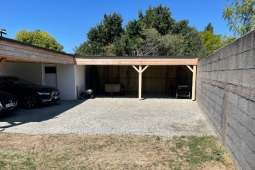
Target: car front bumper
54,96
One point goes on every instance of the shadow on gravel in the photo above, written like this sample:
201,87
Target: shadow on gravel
45,112
135,96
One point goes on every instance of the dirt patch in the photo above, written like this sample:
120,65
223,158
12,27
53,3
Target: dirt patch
72,151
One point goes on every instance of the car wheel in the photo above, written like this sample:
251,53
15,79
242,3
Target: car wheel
29,102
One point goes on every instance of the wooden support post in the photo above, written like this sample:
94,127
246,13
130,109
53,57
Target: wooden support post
2,61
194,83
140,72
140,83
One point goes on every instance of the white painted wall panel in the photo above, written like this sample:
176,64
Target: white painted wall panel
80,77
29,71
68,76
66,82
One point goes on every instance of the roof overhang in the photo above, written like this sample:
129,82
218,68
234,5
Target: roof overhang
136,60
15,51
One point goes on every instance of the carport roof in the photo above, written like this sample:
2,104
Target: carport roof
136,60
16,51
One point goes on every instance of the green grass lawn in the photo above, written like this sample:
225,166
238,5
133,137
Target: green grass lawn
72,151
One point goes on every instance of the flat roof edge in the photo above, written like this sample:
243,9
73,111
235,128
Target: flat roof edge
135,57
34,46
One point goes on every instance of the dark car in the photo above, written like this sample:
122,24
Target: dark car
7,102
183,91
29,95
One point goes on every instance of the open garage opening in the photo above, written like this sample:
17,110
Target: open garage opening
157,81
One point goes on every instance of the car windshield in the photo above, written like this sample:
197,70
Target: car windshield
17,81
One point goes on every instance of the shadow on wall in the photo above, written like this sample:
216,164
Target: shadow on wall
22,116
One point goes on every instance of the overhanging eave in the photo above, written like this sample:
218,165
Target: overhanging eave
15,51
168,60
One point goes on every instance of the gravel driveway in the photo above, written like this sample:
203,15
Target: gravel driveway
162,117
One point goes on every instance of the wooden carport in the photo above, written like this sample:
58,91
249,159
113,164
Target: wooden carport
143,62
15,51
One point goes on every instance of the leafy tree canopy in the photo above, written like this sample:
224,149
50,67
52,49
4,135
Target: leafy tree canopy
159,18
212,42
153,33
209,27
39,38
103,34
135,28
182,27
194,45
84,49
123,46
240,16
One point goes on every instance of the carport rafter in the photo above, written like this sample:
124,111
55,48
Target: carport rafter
190,69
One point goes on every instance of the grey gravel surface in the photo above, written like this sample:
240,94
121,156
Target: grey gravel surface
153,116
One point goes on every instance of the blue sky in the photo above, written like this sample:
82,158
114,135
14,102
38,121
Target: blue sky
69,20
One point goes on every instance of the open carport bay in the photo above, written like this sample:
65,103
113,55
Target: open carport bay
156,80
153,116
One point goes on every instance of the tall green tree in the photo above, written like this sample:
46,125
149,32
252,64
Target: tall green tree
123,46
84,49
159,18
212,42
154,33
240,15
182,27
194,45
209,27
173,45
102,35
134,28
155,44
151,42
188,40
112,26
39,38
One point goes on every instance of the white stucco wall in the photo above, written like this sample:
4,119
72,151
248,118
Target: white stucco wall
68,76
43,75
66,82
80,77
30,71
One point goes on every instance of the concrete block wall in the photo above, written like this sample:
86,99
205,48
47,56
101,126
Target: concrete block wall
226,94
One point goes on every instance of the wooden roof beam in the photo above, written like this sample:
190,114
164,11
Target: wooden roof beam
136,61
